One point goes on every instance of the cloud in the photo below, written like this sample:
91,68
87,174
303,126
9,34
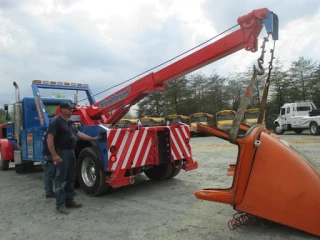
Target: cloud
104,43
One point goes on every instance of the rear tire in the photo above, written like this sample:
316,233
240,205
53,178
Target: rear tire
314,128
4,164
91,178
175,172
160,172
277,129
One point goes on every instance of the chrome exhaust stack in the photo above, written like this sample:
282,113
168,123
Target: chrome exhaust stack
17,108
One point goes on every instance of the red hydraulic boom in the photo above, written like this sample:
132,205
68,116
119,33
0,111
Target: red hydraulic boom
112,108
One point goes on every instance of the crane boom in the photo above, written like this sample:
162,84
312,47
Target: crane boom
112,108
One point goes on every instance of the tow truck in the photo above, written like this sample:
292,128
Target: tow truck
268,173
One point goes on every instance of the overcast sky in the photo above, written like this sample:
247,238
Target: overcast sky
104,42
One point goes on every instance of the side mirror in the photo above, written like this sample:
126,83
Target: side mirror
6,112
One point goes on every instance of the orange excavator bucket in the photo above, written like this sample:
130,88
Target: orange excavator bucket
272,180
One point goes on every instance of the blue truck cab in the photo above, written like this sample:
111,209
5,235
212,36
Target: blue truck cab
32,132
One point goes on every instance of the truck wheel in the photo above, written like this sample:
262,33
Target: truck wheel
175,172
4,165
314,128
29,166
160,172
20,168
277,129
91,178
298,130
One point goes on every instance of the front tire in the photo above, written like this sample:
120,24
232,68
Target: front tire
4,165
314,128
90,175
277,129
20,168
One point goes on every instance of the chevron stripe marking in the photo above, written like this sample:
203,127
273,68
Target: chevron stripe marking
123,142
124,164
176,144
143,138
146,153
183,143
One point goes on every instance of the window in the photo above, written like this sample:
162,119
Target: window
225,117
251,115
305,108
51,108
288,109
282,111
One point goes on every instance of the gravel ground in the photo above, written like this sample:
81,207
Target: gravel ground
144,210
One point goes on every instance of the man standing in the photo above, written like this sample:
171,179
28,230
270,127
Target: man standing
61,141
49,170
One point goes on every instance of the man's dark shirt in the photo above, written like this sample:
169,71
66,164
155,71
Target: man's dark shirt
64,132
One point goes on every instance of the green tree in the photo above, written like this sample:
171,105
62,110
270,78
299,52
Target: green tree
198,85
2,116
151,106
301,73
175,97
216,96
58,95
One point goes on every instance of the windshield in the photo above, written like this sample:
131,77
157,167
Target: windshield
199,119
251,115
225,117
51,108
176,120
148,123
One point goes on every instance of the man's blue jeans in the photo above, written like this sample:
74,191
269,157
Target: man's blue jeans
49,172
65,176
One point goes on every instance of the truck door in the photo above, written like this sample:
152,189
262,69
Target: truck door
287,116
283,116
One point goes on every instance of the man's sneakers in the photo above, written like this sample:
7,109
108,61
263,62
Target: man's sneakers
73,204
62,209
70,204
52,195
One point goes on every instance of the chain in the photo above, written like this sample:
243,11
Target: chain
261,58
245,99
266,88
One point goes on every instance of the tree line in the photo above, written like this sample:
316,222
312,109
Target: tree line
200,93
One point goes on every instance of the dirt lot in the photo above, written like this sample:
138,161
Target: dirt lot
145,210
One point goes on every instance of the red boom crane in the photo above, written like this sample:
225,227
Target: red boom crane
112,108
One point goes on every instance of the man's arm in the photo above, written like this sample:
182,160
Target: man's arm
86,137
50,141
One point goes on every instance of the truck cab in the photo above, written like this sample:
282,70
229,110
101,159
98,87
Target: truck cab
175,118
125,123
152,121
205,119
251,116
32,132
296,117
225,119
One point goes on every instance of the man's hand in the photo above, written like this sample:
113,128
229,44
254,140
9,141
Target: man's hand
57,160
96,138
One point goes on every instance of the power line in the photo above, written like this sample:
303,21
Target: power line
162,63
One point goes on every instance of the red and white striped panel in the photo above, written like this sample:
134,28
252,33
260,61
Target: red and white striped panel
178,136
131,145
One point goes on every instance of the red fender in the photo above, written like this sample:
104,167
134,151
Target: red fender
7,149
